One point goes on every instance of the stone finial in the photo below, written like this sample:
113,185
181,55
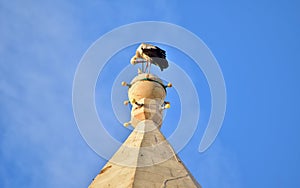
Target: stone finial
146,94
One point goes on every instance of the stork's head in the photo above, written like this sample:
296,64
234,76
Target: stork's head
133,60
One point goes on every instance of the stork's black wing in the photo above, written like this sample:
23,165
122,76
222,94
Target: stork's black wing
154,51
157,55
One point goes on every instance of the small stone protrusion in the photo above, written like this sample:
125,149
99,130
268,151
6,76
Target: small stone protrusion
125,84
127,124
167,105
133,101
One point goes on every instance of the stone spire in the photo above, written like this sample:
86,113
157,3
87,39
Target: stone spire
145,159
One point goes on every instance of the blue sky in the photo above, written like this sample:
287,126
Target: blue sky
256,44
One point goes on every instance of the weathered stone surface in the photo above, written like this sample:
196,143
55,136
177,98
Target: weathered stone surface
142,88
145,160
147,109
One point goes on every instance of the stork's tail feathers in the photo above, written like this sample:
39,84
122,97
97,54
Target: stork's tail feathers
161,62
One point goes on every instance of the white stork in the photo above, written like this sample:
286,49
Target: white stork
151,55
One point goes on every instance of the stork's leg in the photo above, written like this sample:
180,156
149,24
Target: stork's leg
143,67
146,66
149,67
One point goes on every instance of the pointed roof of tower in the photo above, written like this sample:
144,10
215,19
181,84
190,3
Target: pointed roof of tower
145,159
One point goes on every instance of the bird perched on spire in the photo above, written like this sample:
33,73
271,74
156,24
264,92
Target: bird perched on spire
151,55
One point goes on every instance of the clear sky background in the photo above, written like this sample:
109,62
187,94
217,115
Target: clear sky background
256,44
